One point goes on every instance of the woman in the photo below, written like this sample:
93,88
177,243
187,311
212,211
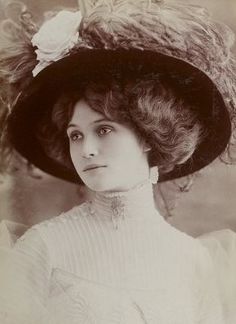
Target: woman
103,107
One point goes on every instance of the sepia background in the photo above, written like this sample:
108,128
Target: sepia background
205,204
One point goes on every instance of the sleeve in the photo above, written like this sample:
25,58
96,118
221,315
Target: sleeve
221,245
24,280
208,306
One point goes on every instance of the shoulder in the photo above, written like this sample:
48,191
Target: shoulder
53,234
75,214
182,243
221,246
224,240
72,223
191,252
38,231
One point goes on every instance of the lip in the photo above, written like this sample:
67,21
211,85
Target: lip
93,166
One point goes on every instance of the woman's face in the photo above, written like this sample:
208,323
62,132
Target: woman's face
108,156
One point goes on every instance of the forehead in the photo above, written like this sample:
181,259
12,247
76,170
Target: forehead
84,113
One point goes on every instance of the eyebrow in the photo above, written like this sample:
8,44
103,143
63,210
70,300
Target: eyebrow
94,122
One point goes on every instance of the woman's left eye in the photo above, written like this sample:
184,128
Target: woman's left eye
104,130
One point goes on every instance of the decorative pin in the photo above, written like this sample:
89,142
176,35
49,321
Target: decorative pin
118,210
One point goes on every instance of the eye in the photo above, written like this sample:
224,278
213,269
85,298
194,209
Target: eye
104,130
75,136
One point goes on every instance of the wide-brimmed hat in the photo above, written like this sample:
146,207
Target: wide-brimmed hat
128,40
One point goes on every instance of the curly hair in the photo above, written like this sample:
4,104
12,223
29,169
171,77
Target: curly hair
153,109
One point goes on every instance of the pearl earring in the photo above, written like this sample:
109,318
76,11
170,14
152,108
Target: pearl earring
154,174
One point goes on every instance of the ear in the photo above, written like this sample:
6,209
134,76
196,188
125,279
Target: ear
145,146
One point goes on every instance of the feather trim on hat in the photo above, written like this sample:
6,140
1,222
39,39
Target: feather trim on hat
17,61
16,50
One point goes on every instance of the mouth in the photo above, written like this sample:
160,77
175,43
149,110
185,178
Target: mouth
93,167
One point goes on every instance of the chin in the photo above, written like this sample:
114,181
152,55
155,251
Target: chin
106,182
108,187
98,185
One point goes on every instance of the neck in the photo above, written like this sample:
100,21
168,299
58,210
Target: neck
123,192
135,203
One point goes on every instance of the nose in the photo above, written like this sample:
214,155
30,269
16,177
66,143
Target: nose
89,148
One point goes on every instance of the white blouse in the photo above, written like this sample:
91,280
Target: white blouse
112,260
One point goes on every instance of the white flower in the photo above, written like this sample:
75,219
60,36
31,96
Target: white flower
56,38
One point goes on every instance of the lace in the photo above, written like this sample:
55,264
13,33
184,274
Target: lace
135,203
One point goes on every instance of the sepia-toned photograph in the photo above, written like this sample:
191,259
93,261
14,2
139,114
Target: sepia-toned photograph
118,162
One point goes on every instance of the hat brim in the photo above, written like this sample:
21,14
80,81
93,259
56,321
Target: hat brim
91,64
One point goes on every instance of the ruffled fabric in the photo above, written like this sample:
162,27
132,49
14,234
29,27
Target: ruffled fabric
9,232
222,248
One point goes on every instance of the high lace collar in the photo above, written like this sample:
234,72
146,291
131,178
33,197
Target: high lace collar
135,203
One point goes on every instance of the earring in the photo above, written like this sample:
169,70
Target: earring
154,174
147,149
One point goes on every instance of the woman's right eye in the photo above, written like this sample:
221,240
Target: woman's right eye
74,136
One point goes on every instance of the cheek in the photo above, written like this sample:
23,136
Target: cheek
75,155
132,147
127,152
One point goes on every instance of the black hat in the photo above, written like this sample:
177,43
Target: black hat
129,41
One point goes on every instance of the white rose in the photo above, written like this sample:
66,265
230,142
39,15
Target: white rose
56,38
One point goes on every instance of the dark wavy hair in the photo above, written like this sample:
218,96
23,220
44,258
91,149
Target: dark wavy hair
153,109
